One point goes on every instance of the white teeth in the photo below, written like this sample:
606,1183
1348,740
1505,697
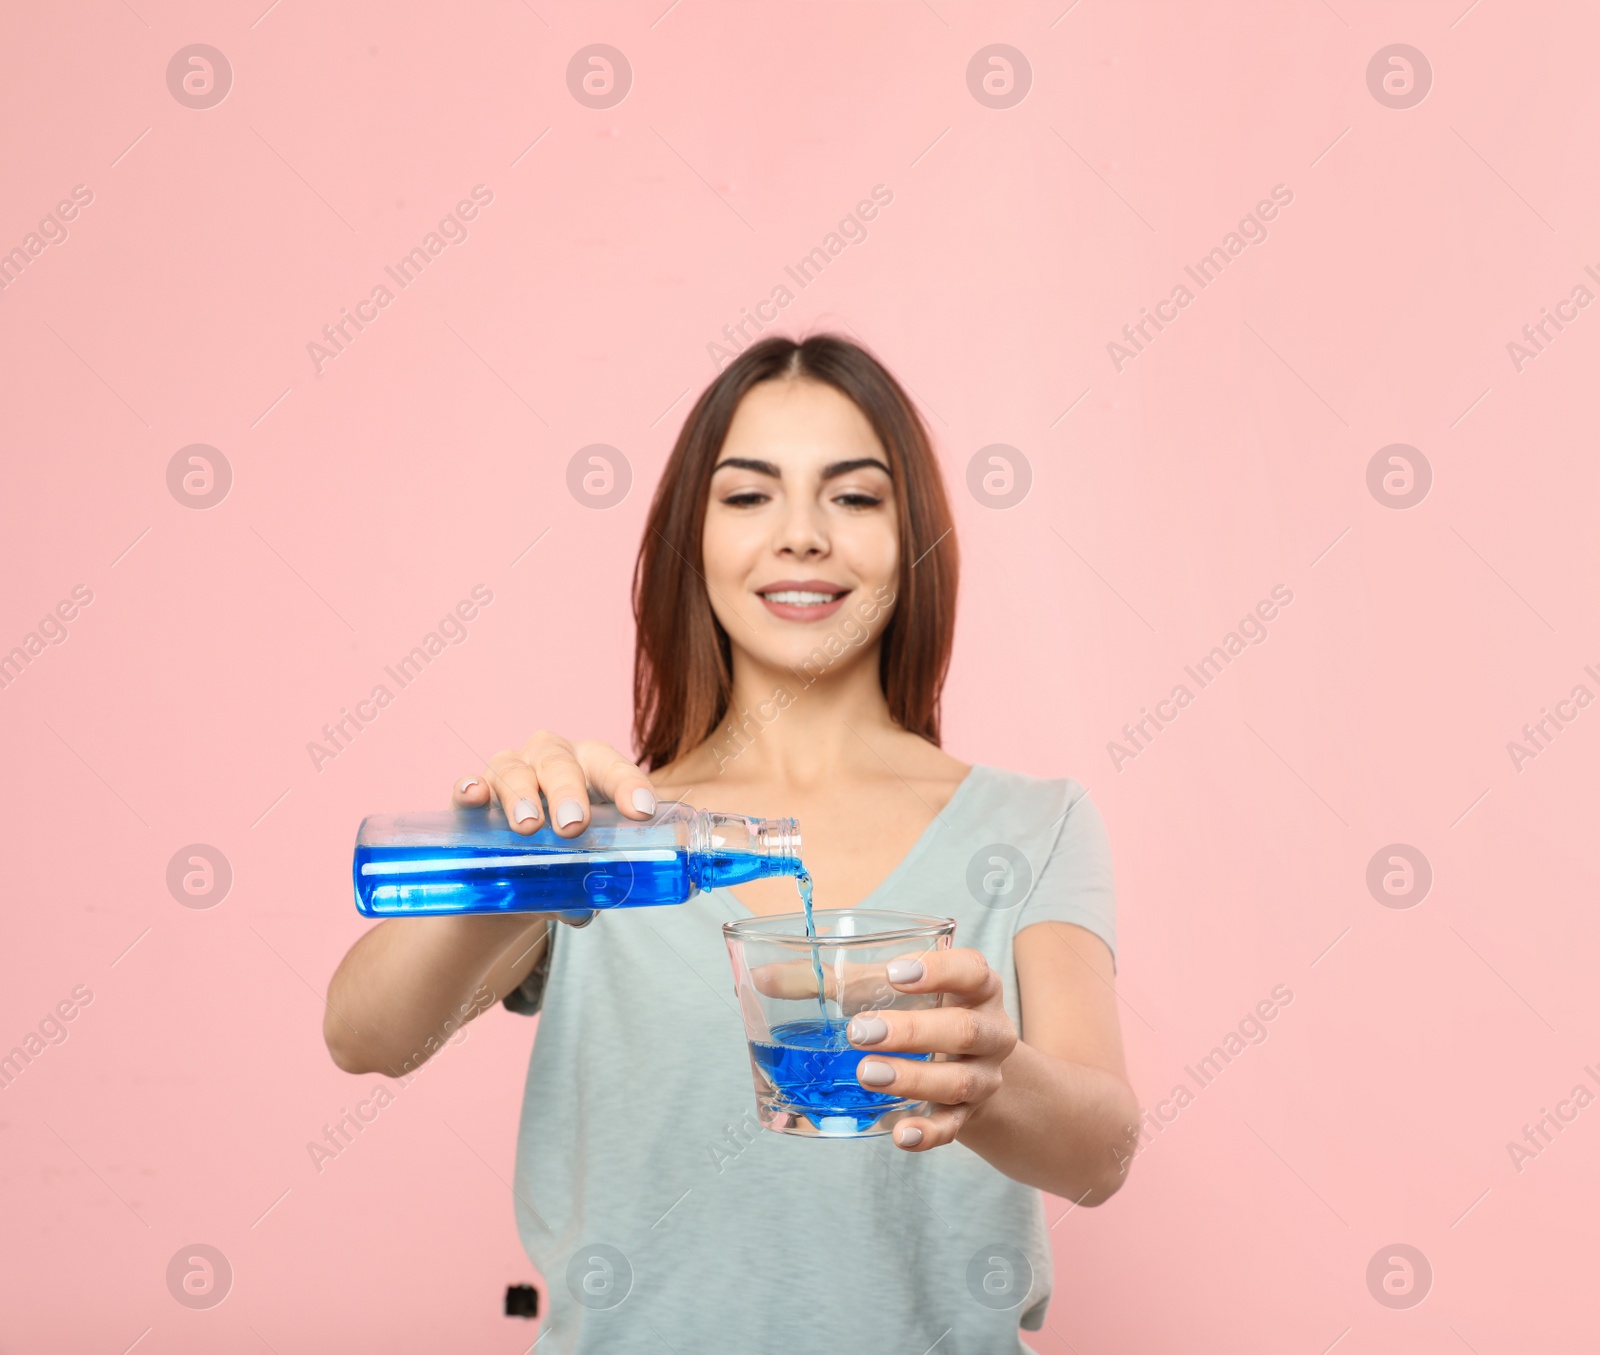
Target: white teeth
794,598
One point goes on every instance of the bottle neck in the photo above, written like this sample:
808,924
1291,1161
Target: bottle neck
776,842
780,841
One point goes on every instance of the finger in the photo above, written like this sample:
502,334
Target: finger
958,1031
469,791
966,973
864,984
866,988
576,919
561,778
517,786
612,776
918,1133
952,1082
792,979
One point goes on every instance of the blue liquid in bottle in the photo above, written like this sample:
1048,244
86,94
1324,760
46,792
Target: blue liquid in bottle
465,861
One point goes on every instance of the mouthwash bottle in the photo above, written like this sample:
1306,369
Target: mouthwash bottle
473,861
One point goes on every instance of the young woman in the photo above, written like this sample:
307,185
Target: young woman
795,600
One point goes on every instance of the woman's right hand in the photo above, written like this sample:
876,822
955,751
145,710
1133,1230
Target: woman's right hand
571,775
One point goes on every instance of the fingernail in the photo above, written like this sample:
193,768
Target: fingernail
568,812
644,801
868,1029
872,1073
468,784
905,971
909,1137
525,810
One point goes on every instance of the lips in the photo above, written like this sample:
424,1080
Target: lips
803,599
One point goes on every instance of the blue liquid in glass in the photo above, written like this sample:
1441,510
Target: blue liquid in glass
813,1067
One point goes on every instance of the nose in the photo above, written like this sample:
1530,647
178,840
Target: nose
801,534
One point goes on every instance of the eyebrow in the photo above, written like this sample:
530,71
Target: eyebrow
829,471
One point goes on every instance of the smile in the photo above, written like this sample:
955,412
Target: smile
803,600
796,598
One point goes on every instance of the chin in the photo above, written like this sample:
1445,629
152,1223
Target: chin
821,653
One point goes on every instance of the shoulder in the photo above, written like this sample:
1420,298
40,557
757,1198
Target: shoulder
1062,856
1023,799
1037,853
1052,821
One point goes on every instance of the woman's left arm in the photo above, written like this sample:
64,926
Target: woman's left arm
1054,1110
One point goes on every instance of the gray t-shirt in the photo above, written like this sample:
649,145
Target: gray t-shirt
664,1218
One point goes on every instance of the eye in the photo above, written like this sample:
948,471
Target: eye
856,498
746,498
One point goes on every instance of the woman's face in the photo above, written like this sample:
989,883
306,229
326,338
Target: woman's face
801,548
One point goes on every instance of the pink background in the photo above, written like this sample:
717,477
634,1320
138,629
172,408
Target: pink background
1227,458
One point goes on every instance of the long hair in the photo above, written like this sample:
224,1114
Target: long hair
683,671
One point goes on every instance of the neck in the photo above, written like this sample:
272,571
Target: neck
800,728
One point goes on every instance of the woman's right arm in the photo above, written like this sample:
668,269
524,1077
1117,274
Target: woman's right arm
409,983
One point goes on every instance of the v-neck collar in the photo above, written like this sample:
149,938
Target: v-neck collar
919,849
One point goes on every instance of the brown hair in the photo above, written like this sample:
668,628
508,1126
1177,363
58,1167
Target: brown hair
682,673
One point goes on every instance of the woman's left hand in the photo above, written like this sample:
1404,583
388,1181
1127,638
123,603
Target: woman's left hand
969,1035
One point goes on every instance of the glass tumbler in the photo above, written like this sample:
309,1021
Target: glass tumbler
797,994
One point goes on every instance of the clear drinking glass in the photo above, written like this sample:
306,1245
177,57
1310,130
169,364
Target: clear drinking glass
802,1060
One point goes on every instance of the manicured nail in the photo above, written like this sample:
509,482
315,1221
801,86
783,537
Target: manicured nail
905,971
568,812
525,810
468,784
644,801
909,1137
868,1029
873,1073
